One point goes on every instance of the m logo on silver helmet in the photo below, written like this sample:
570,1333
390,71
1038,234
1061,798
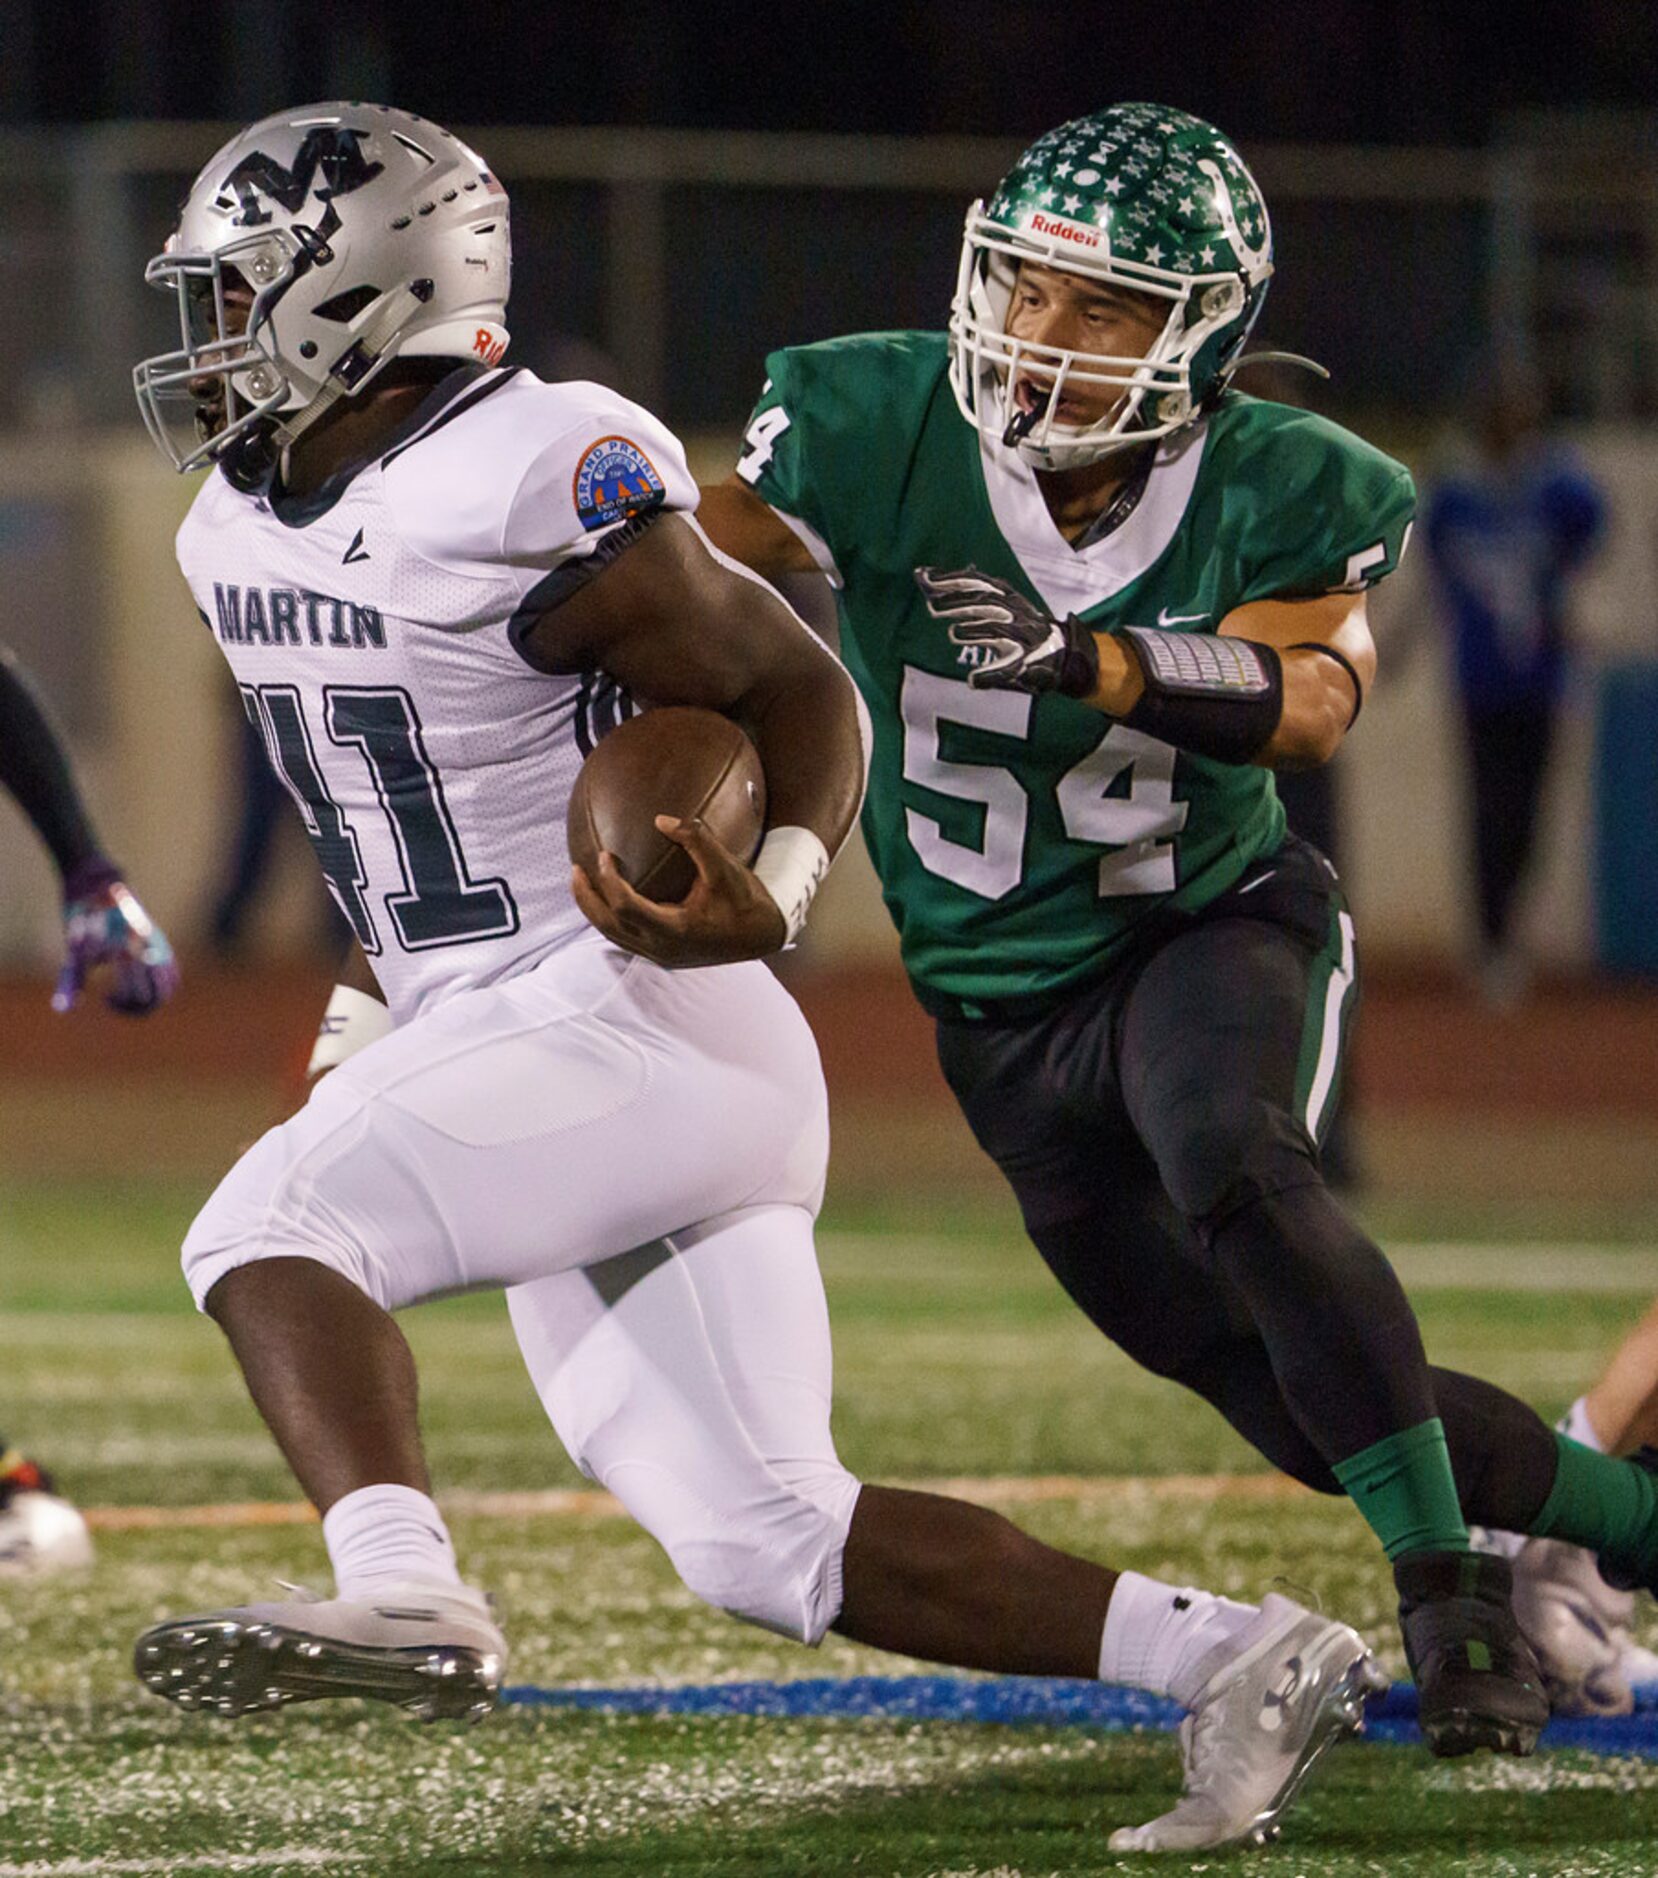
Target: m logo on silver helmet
337,152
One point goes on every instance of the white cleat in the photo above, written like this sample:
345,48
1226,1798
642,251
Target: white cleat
1278,1696
1581,1630
432,1650
41,1533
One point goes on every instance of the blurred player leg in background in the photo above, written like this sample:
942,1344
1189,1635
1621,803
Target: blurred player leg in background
1581,1627
1621,1410
104,926
1508,755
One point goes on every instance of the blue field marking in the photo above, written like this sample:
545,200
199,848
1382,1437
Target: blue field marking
1052,1702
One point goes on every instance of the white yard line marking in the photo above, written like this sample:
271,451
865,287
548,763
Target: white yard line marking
1425,1265
313,1858
1528,1266
592,1503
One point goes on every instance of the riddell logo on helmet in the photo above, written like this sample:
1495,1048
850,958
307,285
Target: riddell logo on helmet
1041,224
487,346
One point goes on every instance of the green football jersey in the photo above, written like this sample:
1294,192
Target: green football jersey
1020,841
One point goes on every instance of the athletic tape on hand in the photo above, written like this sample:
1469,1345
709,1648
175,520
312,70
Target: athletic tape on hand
790,866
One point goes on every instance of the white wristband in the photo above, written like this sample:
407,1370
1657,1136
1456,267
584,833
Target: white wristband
352,1021
790,865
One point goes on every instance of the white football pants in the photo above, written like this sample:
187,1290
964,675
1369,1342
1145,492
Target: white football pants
639,1154
692,1378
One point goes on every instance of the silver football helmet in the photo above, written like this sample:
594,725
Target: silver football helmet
313,249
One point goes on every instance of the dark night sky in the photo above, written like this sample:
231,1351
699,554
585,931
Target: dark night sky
1307,70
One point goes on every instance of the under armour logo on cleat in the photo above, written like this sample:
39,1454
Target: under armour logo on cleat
356,552
1275,1703
1183,1604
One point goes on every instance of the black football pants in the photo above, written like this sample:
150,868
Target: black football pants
1160,1132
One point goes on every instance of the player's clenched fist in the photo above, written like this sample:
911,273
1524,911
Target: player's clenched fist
104,925
727,915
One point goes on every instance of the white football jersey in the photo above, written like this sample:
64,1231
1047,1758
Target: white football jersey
374,629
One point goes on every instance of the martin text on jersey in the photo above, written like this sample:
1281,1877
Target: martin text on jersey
293,616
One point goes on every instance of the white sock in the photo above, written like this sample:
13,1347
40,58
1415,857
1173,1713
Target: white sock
381,1534
1496,1542
1576,1426
1157,1634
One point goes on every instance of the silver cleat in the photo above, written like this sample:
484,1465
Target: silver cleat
1279,1695
433,1651
1581,1629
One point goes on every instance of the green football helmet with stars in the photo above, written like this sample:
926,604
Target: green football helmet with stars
1149,199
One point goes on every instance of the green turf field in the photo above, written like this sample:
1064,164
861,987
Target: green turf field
955,1354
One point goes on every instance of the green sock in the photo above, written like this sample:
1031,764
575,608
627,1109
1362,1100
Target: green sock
1404,1487
1609,1505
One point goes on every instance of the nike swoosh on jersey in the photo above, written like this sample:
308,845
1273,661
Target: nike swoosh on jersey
1166,618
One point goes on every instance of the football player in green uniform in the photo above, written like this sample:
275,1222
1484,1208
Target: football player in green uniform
1092,596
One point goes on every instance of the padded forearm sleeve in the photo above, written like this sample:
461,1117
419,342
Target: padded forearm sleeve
1217,697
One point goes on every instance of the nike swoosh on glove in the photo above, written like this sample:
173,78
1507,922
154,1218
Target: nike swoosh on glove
104,925
1022,647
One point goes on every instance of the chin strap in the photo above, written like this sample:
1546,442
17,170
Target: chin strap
250,459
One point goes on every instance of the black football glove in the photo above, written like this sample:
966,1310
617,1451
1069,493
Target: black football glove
1028,649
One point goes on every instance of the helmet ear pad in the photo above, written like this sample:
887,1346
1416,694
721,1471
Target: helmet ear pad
1216,310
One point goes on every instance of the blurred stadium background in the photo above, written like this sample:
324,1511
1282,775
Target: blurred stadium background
691,186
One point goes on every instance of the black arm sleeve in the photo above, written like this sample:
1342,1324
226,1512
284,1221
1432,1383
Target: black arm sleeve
35,767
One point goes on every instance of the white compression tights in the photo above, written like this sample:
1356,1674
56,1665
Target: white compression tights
692,1378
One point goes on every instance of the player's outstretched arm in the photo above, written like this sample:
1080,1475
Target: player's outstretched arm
104,925
677,622
34,766
1279,682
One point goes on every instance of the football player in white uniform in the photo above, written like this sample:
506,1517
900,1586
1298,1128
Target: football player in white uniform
438,581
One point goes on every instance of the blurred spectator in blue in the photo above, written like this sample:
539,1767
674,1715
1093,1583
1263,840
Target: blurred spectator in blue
1503,534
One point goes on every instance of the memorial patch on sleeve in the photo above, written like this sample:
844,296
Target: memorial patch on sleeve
615,481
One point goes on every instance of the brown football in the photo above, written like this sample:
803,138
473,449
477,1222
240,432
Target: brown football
674,760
